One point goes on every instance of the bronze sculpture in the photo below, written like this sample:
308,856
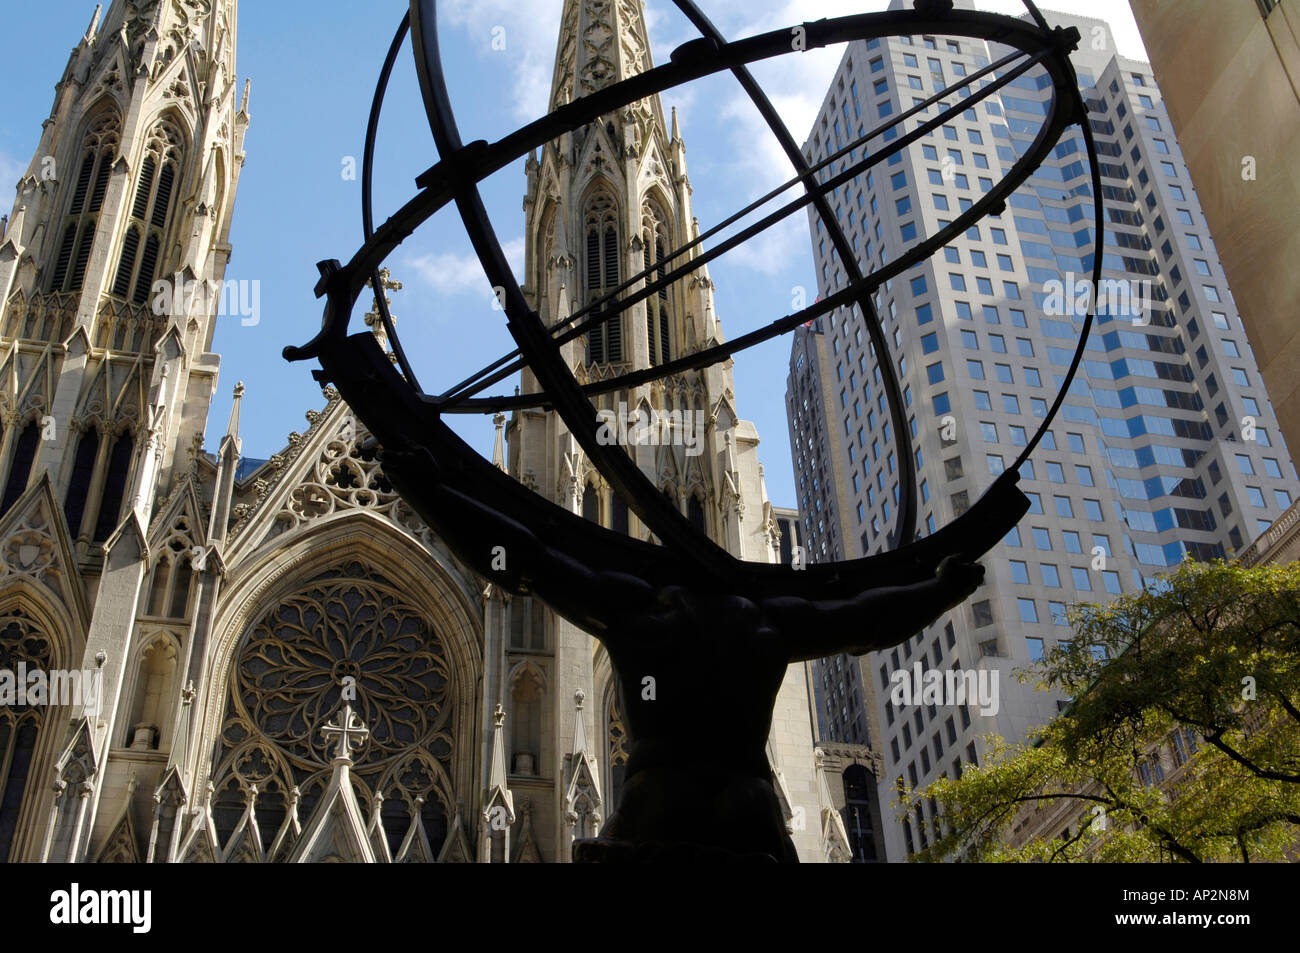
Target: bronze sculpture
666,611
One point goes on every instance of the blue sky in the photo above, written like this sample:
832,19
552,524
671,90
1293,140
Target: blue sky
314,66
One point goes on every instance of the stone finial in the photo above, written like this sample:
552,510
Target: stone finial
92,31
232,428
499,446
351,733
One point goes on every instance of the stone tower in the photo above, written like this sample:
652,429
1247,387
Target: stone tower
604,204
107,378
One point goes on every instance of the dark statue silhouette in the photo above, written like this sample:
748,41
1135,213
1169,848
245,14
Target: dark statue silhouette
686,655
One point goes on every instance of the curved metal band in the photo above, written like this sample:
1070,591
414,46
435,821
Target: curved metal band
367,194
905,528
546,362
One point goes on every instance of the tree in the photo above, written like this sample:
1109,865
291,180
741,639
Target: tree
1204,668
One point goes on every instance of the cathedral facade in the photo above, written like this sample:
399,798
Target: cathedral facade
289,666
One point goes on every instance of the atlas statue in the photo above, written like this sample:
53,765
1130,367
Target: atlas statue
687,626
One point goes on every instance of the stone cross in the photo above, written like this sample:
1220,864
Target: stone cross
387,284
373,320
350,731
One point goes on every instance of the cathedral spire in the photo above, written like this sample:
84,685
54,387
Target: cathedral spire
601,42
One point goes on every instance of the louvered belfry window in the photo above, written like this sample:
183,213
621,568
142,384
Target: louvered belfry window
658,313
604,343
140,260
115,482
77,236
20,469
83,475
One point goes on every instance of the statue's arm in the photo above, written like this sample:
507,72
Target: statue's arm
510,553
876,619
591,597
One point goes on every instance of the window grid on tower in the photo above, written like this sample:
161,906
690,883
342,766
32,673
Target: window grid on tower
99,149
654,250
142,244
604,343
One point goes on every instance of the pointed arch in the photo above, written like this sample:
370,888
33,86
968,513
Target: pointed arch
545,243
619,520
602,268
217,202
20,726
140,258
527,705
115,482
152,692
176,537
591,503
612,751
696,513
657,243
377,652
107,417
122,845
424,621
172,583
26,449
39,634
100,139
83,475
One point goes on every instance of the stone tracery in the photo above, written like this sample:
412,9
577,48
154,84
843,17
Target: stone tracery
348,635
23,643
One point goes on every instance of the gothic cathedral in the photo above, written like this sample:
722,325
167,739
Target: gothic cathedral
289,666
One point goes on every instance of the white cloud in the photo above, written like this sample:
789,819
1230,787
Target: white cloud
531,32
453,274
796,85
760,160
774,251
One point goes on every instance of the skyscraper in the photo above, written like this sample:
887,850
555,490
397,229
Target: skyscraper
1166,446
1229,72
